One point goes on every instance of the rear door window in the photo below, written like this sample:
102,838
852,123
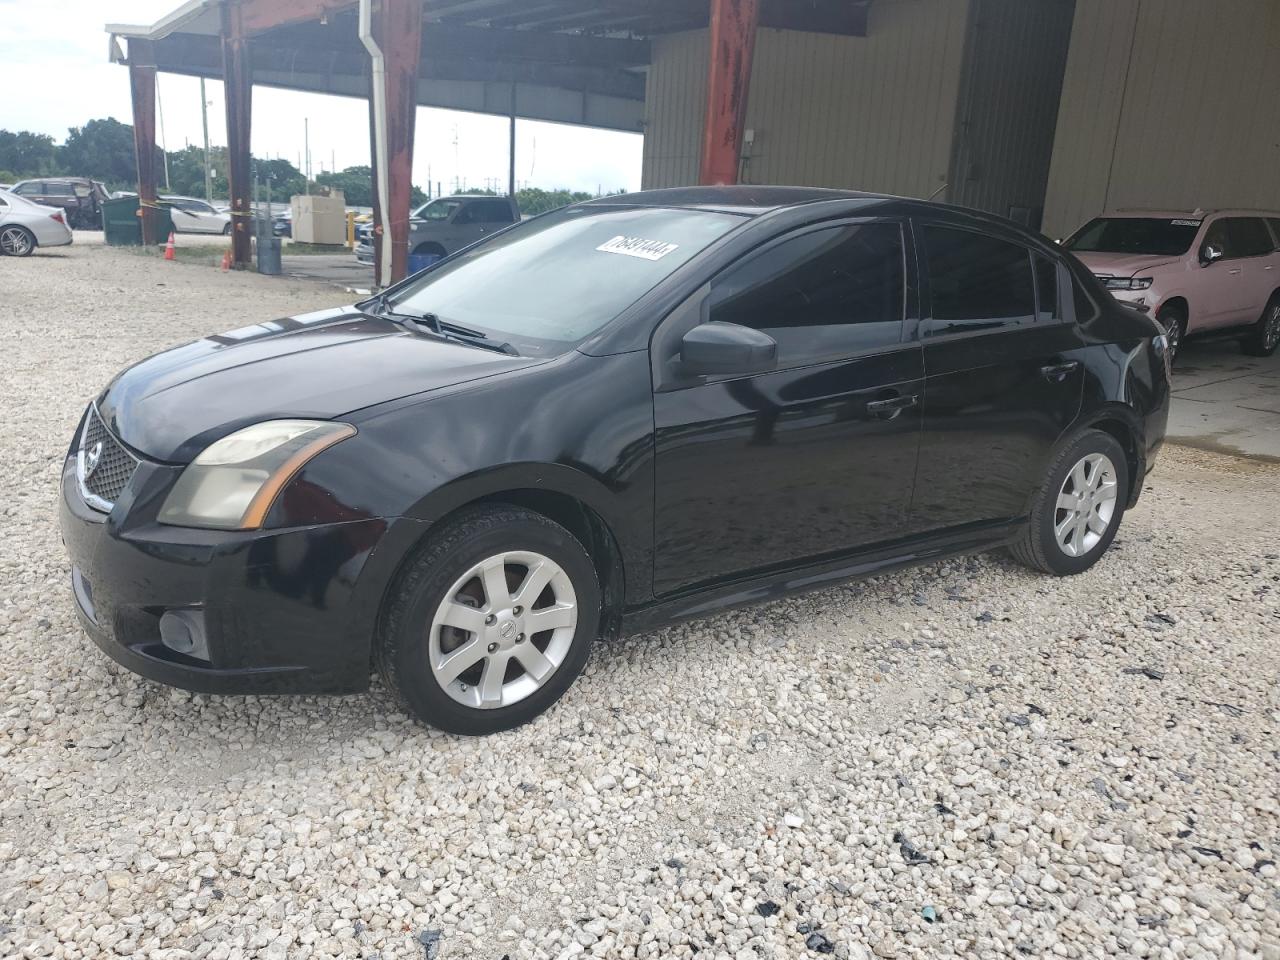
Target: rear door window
822,295
977,283
1249,236
495,211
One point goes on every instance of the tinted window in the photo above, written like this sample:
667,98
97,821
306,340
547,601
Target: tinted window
28,189
977,282
1275,232
59,190
437,209
1218,236
1085,307
538,284
1047,289
1154,235
1249,236
823,294
494,211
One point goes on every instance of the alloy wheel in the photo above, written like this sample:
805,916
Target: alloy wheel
1086,505
503,630
1173,333
15,242
1271,330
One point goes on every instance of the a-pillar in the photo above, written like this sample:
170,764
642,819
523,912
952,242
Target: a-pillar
397,30
238,93
733,42
142,88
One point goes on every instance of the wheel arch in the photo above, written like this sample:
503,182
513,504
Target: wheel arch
1178,301
1123,425
429,247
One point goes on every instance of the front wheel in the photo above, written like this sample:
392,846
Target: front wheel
1174,322
491,622
1264,336
226,230
1076,513
16,241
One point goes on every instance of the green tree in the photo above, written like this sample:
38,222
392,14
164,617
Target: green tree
26,154
102,149
534,200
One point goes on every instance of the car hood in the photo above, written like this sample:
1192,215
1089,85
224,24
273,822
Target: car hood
1122,264
321,366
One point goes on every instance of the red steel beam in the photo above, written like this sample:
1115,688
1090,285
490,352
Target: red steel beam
733,43
397,28
238,93
142,88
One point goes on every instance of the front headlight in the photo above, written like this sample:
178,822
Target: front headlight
1129,283
233,483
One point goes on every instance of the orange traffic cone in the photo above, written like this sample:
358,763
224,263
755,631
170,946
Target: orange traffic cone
168,248
226,261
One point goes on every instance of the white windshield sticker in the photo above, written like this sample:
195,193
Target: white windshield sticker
638,247
1187,223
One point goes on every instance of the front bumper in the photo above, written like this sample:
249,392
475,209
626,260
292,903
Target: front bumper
284,611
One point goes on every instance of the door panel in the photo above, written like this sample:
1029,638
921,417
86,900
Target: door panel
995,405
1004,376
817,457
1221,288
769,470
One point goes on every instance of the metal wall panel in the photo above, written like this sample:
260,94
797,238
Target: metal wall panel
871,113
1167,103
1014,64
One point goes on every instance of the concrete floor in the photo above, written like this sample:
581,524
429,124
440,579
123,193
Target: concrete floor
341,269
1226,401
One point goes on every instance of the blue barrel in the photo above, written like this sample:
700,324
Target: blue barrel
420,261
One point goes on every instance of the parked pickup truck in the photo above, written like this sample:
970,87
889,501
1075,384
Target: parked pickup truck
447,224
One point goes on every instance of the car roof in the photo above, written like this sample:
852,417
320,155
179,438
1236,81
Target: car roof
1199,214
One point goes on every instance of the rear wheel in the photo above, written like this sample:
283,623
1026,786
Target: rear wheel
1076,513
16,241
491,623
1264,336
1174,321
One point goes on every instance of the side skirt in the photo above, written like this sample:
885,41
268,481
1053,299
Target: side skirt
706,601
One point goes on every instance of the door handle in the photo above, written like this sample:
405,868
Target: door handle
1057,372
890,408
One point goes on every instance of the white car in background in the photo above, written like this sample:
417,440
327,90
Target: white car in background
25,225
196,216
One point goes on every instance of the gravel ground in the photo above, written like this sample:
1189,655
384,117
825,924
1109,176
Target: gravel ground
963,760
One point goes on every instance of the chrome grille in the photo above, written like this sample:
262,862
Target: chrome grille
103,466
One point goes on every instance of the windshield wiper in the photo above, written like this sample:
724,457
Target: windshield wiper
451,331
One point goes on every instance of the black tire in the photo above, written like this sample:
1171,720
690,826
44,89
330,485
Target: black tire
1174,321
1264,336
401,648
1038,547
16,241
226,231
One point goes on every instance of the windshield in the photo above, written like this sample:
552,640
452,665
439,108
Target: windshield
1157,236
437,210
551,282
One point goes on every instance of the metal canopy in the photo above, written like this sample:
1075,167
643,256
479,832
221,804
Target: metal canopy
571,61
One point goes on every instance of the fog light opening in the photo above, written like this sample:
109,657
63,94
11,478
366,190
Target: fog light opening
182,631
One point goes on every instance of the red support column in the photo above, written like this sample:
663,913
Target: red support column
142,88
238,92
733,42
397,29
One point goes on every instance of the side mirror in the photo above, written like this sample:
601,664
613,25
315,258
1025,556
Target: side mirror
1210,254
719,348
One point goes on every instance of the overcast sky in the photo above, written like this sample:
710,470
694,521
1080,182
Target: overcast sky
60,48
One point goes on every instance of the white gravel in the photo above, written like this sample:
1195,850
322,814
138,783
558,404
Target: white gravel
1045,768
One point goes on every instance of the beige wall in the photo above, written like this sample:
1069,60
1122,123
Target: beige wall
1193,119
871,113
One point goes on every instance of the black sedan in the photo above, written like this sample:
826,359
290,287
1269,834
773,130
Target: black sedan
610,417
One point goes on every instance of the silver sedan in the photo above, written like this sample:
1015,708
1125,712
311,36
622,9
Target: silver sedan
25,225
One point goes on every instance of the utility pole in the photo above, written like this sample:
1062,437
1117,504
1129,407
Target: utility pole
204,118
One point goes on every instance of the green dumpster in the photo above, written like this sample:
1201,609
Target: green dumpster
122,226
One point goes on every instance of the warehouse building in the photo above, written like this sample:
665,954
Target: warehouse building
1046,111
